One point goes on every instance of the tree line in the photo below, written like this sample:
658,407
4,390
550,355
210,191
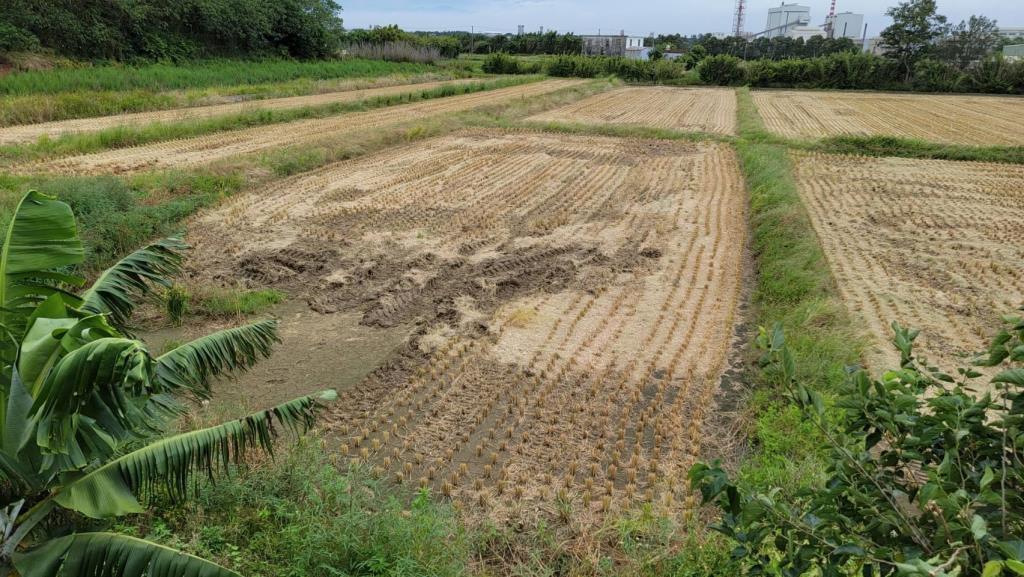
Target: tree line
172,29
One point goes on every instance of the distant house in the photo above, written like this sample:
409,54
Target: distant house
612,45
643,53
1014,52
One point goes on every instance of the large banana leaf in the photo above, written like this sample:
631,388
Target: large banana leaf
193,365
91,398
170,465
112,555
117,291
54,330
41,242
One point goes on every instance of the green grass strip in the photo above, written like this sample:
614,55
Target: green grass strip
912,148
125,136
793,287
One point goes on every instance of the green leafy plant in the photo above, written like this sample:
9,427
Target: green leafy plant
176,304
722,70
79,396
925,477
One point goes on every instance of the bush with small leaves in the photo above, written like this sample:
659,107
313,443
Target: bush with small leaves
925,475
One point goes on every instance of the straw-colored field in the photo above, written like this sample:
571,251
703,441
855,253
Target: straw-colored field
571,302
190,152
935,245
955,119
688,109
32,132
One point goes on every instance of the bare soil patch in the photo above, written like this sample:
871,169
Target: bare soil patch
932,244
206,149
942,118
32,132
571,301
690,109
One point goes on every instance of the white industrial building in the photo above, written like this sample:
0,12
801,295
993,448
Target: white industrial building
1012,32
845,25
782,19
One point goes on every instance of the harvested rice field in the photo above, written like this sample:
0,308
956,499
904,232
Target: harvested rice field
934,245
710,110
202,150
951,119
33,132
570,301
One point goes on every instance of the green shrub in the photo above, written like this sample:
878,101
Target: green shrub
501,63
14,39
995,75
721,70
934,76
925,474
624,68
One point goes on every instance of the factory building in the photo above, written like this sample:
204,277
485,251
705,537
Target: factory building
783,19
846,25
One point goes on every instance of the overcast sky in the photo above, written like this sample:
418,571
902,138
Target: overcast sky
637,17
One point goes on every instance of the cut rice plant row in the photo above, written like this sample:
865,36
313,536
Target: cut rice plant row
951,119
711,110
575,296
931,244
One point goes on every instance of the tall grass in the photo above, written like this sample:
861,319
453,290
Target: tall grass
302,516
115,215
395,52
160,77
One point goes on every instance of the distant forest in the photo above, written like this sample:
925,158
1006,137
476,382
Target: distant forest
172,29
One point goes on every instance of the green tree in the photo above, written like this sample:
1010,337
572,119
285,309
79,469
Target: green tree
916,25
79,395
969,42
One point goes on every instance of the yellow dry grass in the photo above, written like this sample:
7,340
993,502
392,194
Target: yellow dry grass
931,244
710,110
952,119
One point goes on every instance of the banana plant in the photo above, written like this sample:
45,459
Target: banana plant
79,395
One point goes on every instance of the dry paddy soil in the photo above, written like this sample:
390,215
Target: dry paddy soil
32,132
189,152
711,110
569,303
951,119
932,244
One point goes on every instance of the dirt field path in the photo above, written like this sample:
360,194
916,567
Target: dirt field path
690,109
573,300
956,119
32,132
206,149
933,244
